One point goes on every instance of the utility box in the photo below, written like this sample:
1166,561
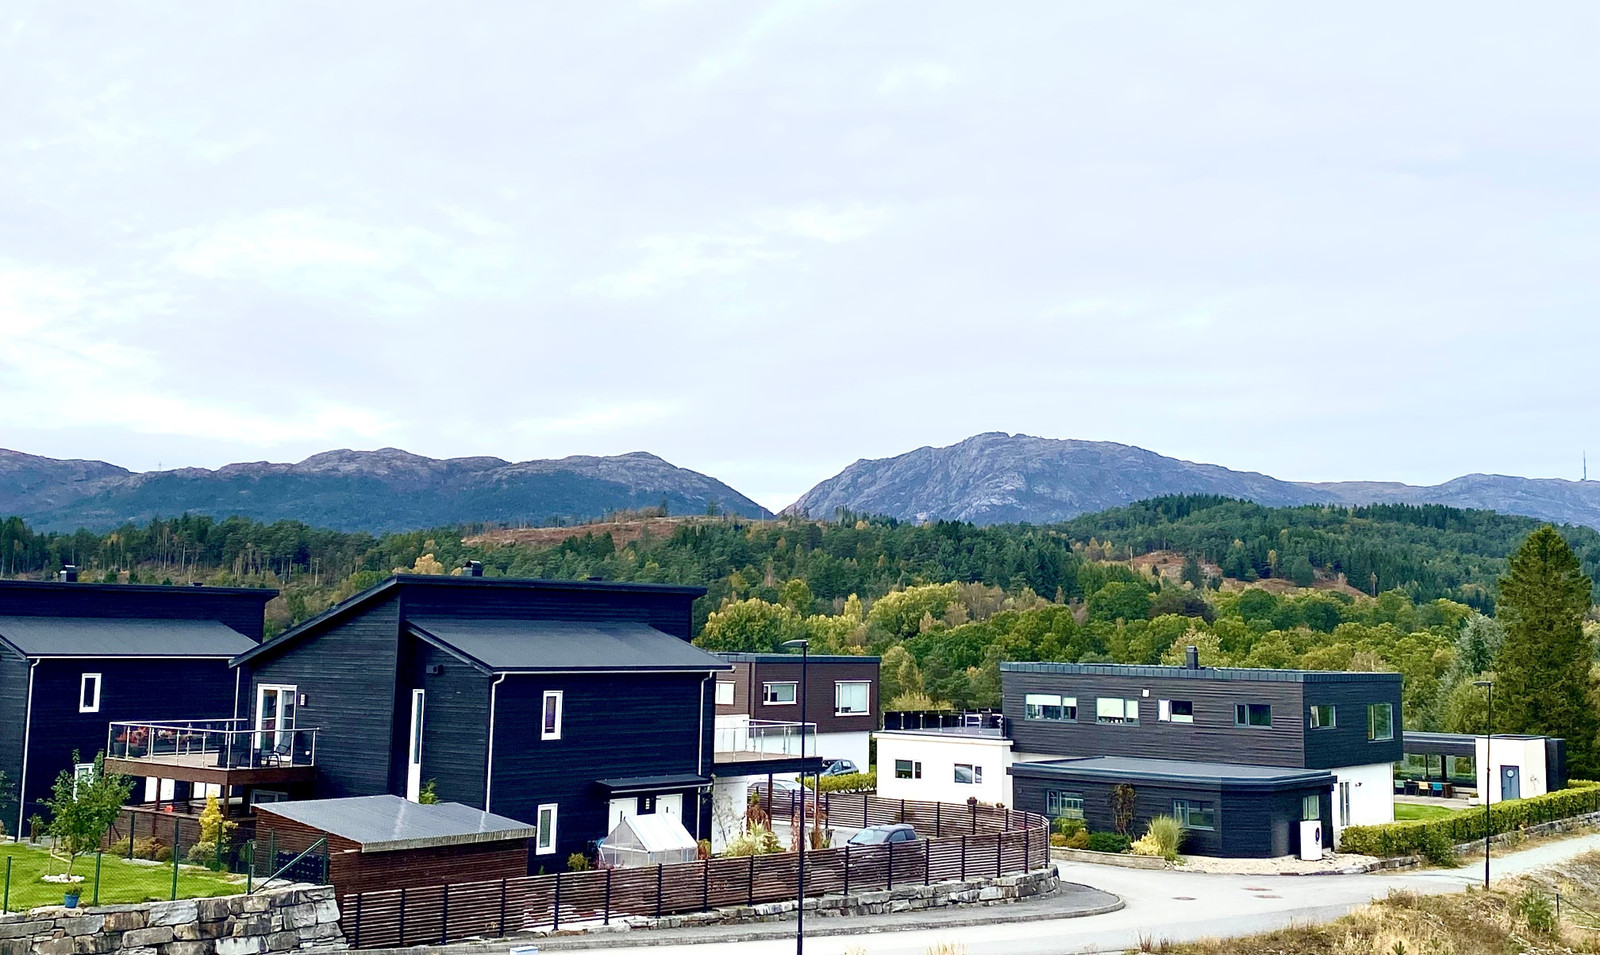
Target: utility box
1311,839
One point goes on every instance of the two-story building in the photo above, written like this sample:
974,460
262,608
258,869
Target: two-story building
841,696
75,657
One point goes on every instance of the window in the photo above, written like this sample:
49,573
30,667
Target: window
969,774
1322,717
546,841
1114,710
82,772
852,698
907,769
778,694
1252,714
724,694
1460,769
1175,711
1063,805
89,693
1380,721
550,725
1310,807
1049,706
1193,814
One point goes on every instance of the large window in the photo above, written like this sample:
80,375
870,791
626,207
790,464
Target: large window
1252,714
1109,709
1380,721
1175,711
1049,706
778,694
1194,814
969,774
1063,805
89,693
1322,716
1310,807
82,773
550,726
852,698
546,842
724,694
907,769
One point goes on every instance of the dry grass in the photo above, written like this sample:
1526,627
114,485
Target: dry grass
1490,923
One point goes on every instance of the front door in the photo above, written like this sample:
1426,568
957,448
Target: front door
1510,782
1344,803
671,804
274,716
414,753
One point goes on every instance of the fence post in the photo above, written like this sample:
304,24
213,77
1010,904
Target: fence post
658,890
999,852
891,846
402,942
938,818
444,914
902,809
1027,850
174,858
356,942
272,851
503,907
847,868
705,885
750,882
5,905
963,858
927,861
96,900
218,856
608,899
556,916
131,827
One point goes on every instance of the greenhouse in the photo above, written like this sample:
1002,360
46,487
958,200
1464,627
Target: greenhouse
655,839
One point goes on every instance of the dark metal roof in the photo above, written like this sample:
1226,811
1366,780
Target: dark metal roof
650,784
121,637
1177,771
264,594
795,658
1261,675
499,644
383,587
389,823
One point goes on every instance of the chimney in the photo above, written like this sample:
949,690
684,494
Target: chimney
197,583
69,573
474,568
1191,658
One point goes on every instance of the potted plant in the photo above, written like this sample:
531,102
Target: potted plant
70,899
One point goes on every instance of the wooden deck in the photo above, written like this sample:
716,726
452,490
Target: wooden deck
203,768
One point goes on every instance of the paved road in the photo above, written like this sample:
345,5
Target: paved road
1160,904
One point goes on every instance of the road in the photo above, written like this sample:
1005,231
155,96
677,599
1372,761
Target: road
1164,904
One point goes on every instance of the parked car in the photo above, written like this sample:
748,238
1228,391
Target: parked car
839,767
888,833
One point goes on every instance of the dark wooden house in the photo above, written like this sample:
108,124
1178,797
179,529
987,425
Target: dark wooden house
841,697
75,657
550,702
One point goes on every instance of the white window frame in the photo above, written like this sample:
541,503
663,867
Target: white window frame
973,769
915,768
541,846
545,732
83,684
81,771
1372,735
1164,712
724,693
1104,717
840,684
1314,722
766,693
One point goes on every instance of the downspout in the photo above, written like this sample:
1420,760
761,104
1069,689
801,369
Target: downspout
488,767
700,755
27,729
236,693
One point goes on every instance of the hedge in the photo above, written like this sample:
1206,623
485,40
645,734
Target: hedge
1410,838
866,782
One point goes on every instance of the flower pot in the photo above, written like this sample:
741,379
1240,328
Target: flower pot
71,900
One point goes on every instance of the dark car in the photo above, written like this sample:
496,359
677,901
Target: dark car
884,834
839,767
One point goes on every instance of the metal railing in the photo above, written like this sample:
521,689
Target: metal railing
219,744
771,737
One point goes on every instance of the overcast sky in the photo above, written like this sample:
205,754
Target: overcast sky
1324,241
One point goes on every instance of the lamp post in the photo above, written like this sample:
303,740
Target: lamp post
1488,768
800,890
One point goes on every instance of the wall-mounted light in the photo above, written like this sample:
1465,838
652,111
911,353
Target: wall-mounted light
303,699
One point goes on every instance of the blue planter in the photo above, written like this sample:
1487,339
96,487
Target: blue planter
71,900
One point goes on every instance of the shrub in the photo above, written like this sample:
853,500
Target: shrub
1439,850
848,783
1109,842
1409,838
577,862
1078,840
1058,840
1066,826
1163,838
1122,800
1535,908
758,840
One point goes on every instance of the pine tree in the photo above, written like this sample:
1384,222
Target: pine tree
1542,670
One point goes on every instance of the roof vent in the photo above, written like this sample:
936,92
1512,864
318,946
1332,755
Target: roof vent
474,568
197,583
69,573
594,578
1191,658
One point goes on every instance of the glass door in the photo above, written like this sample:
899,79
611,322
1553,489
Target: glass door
414,754
274,718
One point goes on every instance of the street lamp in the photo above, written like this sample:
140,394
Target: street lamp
1488,767
800,891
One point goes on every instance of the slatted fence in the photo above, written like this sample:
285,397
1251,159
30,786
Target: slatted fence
961,842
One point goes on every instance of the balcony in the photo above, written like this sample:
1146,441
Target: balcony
764,746
223,752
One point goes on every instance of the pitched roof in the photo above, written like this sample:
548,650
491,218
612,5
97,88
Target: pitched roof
499,644
388,823
121,637
652,832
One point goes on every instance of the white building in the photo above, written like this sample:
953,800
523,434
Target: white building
948,765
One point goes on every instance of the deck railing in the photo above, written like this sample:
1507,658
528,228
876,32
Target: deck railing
770,737
218,744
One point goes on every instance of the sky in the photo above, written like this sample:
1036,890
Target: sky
1326,241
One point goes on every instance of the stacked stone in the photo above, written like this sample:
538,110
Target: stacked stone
277,920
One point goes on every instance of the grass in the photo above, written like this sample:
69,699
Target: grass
1405,811
120,879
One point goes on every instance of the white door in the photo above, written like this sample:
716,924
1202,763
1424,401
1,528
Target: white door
671,805
274,716
621,809
414,754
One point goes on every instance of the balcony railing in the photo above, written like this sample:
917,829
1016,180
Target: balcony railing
212,744
751,739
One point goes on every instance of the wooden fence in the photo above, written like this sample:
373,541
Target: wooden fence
966,843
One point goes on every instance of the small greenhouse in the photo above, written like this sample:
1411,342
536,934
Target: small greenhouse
655,839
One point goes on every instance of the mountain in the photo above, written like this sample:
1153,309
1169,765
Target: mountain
998,478
377,491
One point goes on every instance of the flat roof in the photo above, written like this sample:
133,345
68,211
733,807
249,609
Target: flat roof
991,733
1123,768
795,658
263,593
121,637
504,644
388,823
1256,674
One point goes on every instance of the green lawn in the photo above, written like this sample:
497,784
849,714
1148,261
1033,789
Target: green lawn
1404,811
120,879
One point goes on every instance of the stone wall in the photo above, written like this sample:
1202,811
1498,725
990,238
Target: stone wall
275,920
